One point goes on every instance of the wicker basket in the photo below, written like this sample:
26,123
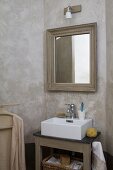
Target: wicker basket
51,166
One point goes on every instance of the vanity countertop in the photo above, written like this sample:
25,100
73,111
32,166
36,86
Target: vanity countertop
85,140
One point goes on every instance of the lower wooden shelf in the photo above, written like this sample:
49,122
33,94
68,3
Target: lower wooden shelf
83,146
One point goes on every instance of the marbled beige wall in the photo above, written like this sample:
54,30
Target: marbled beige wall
92,11
23,60
109,98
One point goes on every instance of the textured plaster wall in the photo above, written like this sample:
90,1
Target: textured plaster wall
23,60
109,98
92,11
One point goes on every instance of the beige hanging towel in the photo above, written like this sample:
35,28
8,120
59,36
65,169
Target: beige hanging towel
17,150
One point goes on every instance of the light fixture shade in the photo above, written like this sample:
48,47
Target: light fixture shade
68,14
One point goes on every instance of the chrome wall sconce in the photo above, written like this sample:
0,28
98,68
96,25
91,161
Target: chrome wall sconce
71,9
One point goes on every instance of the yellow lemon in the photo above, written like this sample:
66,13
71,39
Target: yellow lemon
91,132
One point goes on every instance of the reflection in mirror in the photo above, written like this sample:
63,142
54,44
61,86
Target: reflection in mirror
81,58
72,63
63,59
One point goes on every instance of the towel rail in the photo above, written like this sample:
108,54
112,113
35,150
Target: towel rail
5,128
6,114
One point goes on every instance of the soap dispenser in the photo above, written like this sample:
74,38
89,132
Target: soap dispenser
81,112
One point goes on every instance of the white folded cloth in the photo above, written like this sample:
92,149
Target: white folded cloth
98,160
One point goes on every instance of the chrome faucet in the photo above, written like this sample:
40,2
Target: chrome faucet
71,110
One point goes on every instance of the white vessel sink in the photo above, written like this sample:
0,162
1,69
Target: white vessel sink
58,127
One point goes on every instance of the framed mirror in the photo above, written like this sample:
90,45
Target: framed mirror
71,58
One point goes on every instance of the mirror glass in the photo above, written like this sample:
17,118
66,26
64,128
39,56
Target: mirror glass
71,58
72,65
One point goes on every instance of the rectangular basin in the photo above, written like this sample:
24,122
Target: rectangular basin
58,127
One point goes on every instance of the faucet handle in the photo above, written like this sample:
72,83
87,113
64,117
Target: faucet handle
72,105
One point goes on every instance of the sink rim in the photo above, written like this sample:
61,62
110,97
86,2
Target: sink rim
62,121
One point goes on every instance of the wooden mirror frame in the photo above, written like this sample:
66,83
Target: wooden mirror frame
65,31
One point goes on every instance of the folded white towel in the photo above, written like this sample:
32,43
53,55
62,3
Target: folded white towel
98,160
